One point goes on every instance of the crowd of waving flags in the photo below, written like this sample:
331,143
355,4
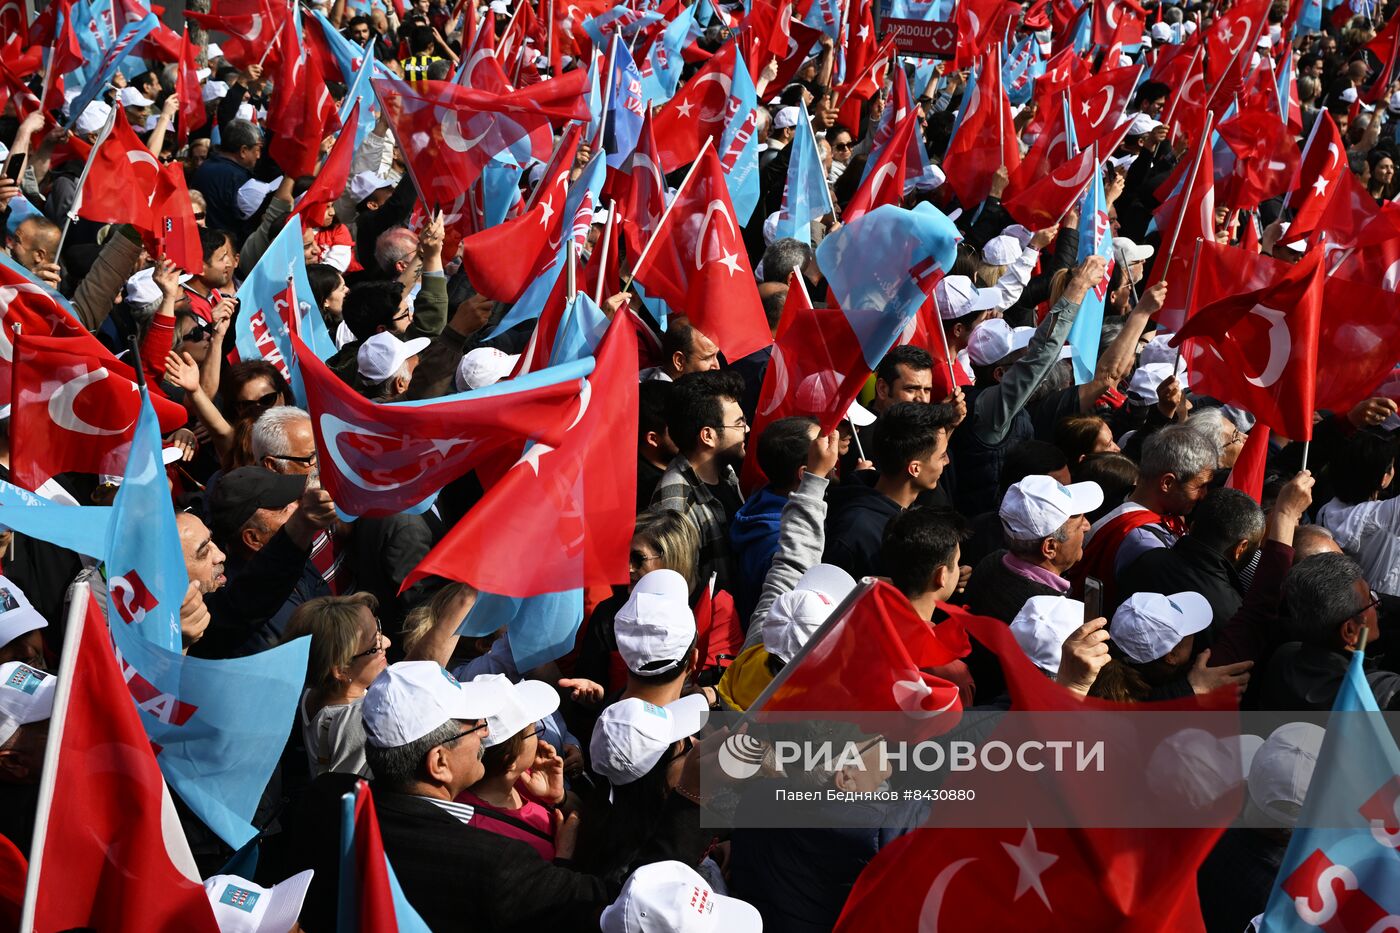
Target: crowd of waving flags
1281,340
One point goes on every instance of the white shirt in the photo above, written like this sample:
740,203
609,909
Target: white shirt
1370,533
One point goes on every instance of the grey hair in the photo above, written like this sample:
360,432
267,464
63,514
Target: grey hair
398,767
784,256
1308,88
269,437
1210,422
1319,596
1029,548
1181,450
237,133
394,245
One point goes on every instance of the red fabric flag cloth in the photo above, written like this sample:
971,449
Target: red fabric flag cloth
1117,21
122,180
816,369
330,182
874,658
884,183
1256,346
1017,876
1266,160
1386,47
697,262
1324,162
697,112
1247,475
978,25
1184,218
563,514
37,311
373,901
382,459
114,855
74,408
13,869
986,138
192,114
250,25
176,233
639,191
1045,203
301,113
1096,105
1230,44
541,344
861,85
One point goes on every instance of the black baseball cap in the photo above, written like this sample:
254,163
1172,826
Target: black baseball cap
241,492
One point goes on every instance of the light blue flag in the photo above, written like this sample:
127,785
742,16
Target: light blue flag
20,211
1022,66
969,94
1309,19
595,98
541,628
112,58
661,69
806,195
580,330
261,331
824,15
928,10
146,579
500,187
1342,867
361,91
81,528
621,20
1095,239
95,29
218,726
738,144
880,266
626,108
406,919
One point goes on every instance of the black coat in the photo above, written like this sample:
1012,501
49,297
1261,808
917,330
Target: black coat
1307,677
855,527
1186,566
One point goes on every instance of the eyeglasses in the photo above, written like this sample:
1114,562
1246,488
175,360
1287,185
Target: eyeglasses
479,727
739,425
1373,604
260,403
378,643
199,334
843,147
304,461
199,215
638,559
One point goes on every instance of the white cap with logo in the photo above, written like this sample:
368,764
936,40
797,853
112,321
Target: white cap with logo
1039,505
632,735
383,355
240,906
484,366
410,699
994,340
26,696
526,702
1149,625
1042,626
656,627
955,296
795,615
17,615
671,897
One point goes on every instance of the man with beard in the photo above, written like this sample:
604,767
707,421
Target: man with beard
708,427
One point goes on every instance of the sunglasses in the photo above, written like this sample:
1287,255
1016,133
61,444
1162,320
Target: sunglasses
199,216
260,403
842,147
199,334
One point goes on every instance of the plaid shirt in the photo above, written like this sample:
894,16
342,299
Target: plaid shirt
681,489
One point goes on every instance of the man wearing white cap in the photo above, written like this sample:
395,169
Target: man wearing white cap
655,631
26,703
1154,634
21,627
781,133
670,897
386,364
240,906
484,366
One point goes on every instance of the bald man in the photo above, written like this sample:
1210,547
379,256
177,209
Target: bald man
34,245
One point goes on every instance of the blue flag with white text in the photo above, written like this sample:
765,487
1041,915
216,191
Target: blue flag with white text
738,144
806,195
1095,239
626,108
112,58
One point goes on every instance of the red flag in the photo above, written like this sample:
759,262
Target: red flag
884,182
1098,104
1247,475
1230,42
1187,109
192,114
1386,47
801,40
1050,148
639,189
1352,220
1266,159
330,182
74,409
176,232
121,180
980,22
696,113
1324,162
697,263
35,310
383,459
251,26
1117,21
985,140
874,658
1046,202
113,854
301,113
1184,218
816,369
561,517
1256,347
537,351
603,263
865,71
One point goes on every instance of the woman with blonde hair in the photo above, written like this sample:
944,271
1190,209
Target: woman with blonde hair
347,652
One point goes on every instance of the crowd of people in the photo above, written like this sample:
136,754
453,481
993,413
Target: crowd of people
975,471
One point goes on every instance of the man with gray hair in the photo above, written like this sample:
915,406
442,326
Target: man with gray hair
227,170
282,441
1177,464
1216,425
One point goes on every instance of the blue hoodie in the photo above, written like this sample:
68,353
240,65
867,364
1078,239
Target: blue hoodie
753,533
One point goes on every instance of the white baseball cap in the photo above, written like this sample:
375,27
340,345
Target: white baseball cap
1283,768
1143,385
484,366
132,97
240,906
215,90
252,194
498,7
1158,350
655,627
1020,233
214,51
1142,124
1002,250
526,702
632,735
364,184
17,616
1149,625
671,897
795,615
994,340
859,415
412,698
383,355
1130,251
26,695
92,119
785,118
1042,626
1160,32
1039,505
956,296
142,289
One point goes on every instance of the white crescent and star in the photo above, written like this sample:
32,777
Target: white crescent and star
909,696
1280,347
730,259
933,901
61,405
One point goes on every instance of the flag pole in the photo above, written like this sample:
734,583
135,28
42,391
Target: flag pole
549,38
571,270
68,662
606,244
72,214
646,250
273,44
1306,445
1190,295
609,62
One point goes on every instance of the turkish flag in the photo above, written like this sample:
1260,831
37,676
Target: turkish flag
985,139
816,369
1046,202
192,114
1050,148
503,260
301,113
1256,346
562,516
697,263
980,22
638,190
1353,220
121,182
74,408
331,180
1184,218
1117,21
33,309
250,25
1324,162
114,854
801,40
1265,160
862,84
1247,475
698,112
176,233
1098,104
874,658
1187,110
382,459
1386,47
884,182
